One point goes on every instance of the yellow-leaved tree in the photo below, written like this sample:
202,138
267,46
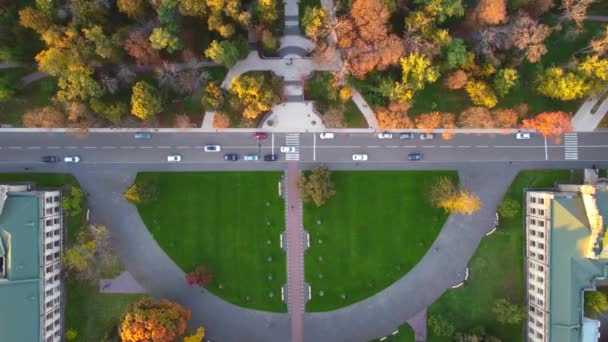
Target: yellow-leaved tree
450,197
255,93
197,336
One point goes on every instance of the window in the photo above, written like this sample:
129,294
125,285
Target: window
540,291
48,200
532,255
56,300
541,235
532,287
533,243
56,277
540,302
49,234
532,221
539,335
49,269
541,245
56,255
49,245
541,200
49,280
49,316
49,292
541,223
539,324
540,279
532,232
541,212
49,257
57,243
533,199
532,309
49,223
56,232
56,198
49,304
541,257
533,211
56,322
56,221
541,268
56,209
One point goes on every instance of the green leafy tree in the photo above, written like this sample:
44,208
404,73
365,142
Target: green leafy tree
317,187
87,13
162,38
107,47
508,208
132,8
267,12
46,6
8,86
145,102
71,335
314,22
270,43
442,9
504,80
92,256
71,203
455,53
167,15
255,93
481,94
556,83
110,110
440,327
226,52
195,8
213,96
78,85
596,303
508,313
34,19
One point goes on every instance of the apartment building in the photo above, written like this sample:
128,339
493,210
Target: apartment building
564,256
31,244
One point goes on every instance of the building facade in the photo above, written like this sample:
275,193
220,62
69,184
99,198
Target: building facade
564,256
31,245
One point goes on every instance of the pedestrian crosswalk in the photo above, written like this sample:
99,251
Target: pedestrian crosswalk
293,139
571,146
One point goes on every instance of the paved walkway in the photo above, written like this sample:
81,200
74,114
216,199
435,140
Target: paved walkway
367,112
418,324
585,120
295,253
124,283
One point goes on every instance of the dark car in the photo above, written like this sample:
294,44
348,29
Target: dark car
406,136
231,157
414,156
259,135
271,157
50,159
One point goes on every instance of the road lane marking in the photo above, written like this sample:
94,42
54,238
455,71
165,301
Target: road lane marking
445,146
14,147
33,147
163,146
428,146
52,147
145,146
464,146
409,146
392,146
482,146
183,146
90,147
373,146
314,147
546,151
108,147
71,147
127,147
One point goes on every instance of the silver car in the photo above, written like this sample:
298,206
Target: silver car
174,158
212,148
251,157
427,136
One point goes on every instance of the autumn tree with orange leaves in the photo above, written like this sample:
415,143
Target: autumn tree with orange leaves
151,320
550,124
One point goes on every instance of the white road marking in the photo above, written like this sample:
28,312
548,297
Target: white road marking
481,146
445,146
409,146
392,146
33,147
71,147
464,146
108,147
314,148
546,151
163,146
52,147
183,146
145,146
272,143
127,147
90,147
373,146
14,147
428,146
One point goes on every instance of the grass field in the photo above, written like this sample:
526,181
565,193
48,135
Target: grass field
406,334
496,270
229,222
93,315
371,233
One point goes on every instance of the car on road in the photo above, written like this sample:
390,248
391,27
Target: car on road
406,136
174,158
50,159
72,159
231,157
212,148
326,135
271,157
427,136
260,135
522,135
251,157
288,149
385,135
142,135
414,156
359,157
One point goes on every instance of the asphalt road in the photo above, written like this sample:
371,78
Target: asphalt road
27,149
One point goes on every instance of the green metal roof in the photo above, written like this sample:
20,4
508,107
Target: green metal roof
20,295
570,272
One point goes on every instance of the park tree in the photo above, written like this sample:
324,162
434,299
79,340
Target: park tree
456,79
9,84
504,80
138,46
599,45
529,36
317,186
267,12
87,13
269,42
439,326
505,118
135,9
197,336
194,8
53,61
315,22
182,121
145,102
481,94
389,119
43,117
489,12
34,19
476,117
576,10
151,320
71,335
563,85
417,70
596,303
221,120
78,85
106,47
442,9
92,256
200,276
226,52
550,124
453,199
163,38
594,68
433,120
255,94
509,313
213,96
509,208
142,192
455,53
112,110
536,8
71,203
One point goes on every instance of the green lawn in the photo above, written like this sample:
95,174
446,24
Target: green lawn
406,334
229,222
371,233
496,270
93,315
353,116
37,94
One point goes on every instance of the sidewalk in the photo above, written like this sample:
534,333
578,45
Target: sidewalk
584,120
369,114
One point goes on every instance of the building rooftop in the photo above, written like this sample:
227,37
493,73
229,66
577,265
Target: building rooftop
20,292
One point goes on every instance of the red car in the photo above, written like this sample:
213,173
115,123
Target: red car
259,135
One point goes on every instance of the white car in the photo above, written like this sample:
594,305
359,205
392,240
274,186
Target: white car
385,135
522,135
359,157
251,157
326,135
72,159
212,148
427,136
288,149
174,158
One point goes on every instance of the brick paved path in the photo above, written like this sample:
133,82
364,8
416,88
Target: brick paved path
295,252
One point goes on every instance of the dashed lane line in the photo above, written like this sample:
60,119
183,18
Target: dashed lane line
14,147
464,146
482,146
33,147
127,147
90,147
71,147
445,146
163,146
145,146
108,147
